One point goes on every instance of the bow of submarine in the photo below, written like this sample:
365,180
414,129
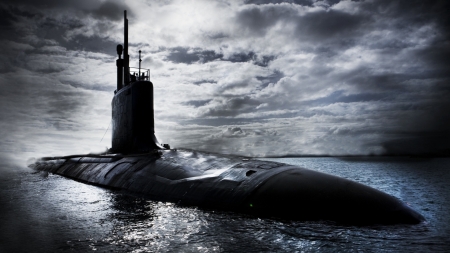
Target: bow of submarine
303,194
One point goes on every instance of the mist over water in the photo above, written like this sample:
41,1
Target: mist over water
41,212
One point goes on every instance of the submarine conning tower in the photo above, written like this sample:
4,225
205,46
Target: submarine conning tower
133,125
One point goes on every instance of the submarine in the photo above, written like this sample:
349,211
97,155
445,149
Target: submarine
137,163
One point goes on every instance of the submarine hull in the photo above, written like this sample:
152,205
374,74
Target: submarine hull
262,188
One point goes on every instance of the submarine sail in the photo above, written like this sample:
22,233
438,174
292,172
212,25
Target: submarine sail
139,164
133,126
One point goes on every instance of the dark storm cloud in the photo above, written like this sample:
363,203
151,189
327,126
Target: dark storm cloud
48,70
264,61
344,130
55,28
197,55
232,107
422,144
395,92
36,108
413,11
49,24
271,78
312,26
242,57
189,56
257,21
10,18
308,3
404,83
224,89
218,122
91,44
43,97
181,55
300,2
46,45
426,131
407,15
49,3
204,81
340,97
7,20
365,80
197,103
438,56
232,132
112,10
325,25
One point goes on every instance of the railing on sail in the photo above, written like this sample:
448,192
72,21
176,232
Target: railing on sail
137,74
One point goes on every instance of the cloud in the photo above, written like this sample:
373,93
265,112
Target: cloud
112,10
326,25
231,107
300,2
185,55
250,77
231,132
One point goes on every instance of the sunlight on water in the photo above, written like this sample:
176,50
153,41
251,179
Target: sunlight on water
152,226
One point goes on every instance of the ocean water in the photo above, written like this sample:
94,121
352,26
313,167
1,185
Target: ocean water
42,212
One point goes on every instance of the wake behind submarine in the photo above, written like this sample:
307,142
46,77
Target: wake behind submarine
139,164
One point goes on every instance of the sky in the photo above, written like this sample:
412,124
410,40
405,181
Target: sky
245,77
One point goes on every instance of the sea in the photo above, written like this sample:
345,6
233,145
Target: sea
41,212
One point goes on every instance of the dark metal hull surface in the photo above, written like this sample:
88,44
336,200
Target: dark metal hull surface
233,183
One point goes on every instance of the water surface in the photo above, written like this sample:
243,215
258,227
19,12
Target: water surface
49,213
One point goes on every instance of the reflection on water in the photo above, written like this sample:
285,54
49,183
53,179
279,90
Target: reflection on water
144,225
49,213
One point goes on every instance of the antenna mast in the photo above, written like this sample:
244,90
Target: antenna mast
126,57
140,64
